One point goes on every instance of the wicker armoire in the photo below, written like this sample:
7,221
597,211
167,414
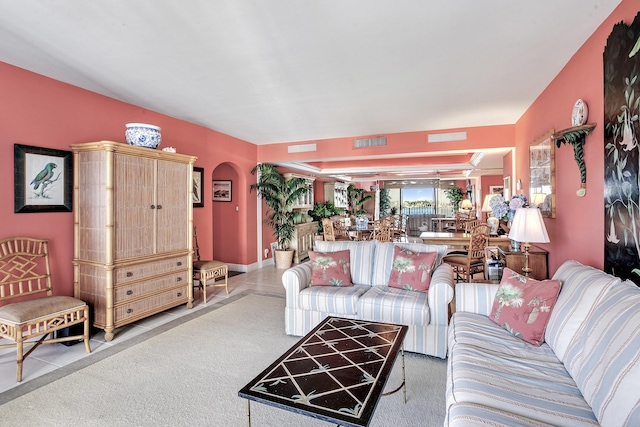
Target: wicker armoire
133,220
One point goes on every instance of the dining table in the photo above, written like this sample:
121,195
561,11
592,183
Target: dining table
459,239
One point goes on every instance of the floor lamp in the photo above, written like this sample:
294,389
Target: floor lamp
528,227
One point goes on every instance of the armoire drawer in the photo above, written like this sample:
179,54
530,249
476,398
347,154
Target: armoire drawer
127,291
150,305
152,268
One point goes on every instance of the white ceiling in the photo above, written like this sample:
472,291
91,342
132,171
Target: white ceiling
296,70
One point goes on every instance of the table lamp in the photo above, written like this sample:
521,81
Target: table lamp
491,220
528,227
466,205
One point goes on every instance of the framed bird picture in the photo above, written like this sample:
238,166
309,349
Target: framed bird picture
43,179
198,182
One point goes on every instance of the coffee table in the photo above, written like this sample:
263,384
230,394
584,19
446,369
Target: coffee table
337,372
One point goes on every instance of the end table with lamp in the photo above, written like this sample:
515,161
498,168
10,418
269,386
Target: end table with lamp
528,227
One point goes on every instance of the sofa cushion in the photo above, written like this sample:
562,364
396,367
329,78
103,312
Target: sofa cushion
385,304
489,367
411,270
522,305
330,268
361,256
331,299
581,287
384,258
604,357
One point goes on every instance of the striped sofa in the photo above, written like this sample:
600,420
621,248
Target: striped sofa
586,373
426,314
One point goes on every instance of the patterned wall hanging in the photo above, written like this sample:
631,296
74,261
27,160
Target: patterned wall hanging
622,157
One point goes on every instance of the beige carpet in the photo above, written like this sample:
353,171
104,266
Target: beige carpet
190,374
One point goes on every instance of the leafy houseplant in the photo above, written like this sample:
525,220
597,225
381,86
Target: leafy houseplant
455,196
280,195
323,210
357,197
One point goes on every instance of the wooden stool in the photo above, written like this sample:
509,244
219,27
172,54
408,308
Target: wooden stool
204,271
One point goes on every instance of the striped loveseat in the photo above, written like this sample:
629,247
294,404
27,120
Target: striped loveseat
426,314
586,373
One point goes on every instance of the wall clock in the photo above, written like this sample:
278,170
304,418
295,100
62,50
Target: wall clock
580,113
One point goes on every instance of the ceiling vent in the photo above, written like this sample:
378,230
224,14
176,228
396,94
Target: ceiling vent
301,148
447,137
370,142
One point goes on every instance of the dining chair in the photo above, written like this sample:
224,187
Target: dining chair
466,264
382,229
460,219
470,225
341,229
329,232
206,272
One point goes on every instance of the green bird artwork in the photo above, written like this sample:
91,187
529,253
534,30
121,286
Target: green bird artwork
43,178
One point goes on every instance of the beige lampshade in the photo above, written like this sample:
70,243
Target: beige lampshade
466,204
528,226
485,204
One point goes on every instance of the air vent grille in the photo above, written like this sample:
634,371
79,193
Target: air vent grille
370,142
301,148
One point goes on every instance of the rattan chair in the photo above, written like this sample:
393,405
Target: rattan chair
466,264
330,233
470,225
207,271
383,229
460,220
25,275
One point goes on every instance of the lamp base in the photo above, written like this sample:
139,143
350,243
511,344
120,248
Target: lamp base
525,269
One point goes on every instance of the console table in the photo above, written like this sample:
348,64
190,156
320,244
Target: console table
304,236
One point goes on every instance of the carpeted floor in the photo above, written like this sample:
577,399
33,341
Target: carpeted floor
189,374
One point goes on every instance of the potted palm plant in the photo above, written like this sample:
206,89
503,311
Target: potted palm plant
357,197
280,195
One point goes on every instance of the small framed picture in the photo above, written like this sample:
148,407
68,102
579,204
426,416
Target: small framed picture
43,179
496,189
198,179
221,191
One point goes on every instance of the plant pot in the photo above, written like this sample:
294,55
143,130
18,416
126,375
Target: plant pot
284,258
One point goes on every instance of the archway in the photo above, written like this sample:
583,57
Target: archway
227,218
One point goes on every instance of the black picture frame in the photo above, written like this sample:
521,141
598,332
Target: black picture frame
52,193
221,191
198,182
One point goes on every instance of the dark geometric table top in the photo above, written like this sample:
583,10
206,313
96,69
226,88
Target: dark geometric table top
337,372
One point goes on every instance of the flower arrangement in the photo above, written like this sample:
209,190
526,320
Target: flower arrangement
506,210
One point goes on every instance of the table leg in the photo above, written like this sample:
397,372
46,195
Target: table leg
402,386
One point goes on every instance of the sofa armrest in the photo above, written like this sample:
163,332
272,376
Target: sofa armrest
440,294
294,280
475,297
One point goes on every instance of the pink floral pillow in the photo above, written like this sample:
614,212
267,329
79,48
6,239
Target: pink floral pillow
522,306
330,268
412,270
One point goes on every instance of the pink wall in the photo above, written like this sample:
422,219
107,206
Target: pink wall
577,232
408,142
42,112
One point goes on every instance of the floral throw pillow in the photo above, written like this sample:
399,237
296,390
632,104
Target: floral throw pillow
522,306
330,268
412,270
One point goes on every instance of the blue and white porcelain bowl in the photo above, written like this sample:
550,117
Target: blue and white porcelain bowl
143,135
